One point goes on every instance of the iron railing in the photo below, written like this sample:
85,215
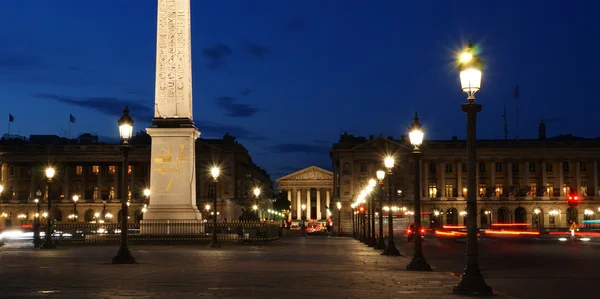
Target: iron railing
149,231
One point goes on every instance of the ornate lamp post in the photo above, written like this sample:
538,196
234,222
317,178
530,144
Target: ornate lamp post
339,207
75,199
48,242
147,195
380,241
471,280
256,196
415,134
390,249
126,130
352,206
214,243
303,227
36,223
372,238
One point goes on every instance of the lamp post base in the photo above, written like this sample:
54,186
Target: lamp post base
418,263
472,284
391,249
48,244
123,257
214,243
372,242
380,244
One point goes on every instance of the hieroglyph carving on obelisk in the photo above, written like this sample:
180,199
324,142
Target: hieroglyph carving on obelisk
173,60
173,163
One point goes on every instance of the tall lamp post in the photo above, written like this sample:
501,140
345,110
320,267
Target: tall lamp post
214,243
75,199
380,241
471,280
372,239
256,196
339,207
390,249
352,206
48,242
126,130
36,223
416,134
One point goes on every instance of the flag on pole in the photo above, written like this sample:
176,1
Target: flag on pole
71,118
11,118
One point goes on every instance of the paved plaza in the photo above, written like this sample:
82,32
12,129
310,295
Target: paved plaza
325,267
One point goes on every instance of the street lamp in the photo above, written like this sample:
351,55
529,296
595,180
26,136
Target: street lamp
415,134
380,241
256,195
339,207
390,249
125,130
36,223
471,280
214,243
75,199
537,218
372,238
49,243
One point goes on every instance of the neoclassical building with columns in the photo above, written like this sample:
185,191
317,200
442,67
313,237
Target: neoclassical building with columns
311,186
518,181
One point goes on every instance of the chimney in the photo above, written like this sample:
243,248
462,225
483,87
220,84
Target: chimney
542,131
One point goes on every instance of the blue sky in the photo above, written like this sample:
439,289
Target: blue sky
288,77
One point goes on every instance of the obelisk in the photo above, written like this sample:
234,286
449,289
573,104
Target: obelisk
173,167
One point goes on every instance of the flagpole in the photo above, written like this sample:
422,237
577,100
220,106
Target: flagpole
9,126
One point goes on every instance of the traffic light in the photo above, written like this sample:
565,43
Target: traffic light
573,200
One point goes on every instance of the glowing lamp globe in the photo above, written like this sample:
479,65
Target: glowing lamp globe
415,133
470,66
214,172
380,175
50,172
388,162
125,126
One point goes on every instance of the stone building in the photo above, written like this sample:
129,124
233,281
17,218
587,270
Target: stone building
311,187
518,181
92,171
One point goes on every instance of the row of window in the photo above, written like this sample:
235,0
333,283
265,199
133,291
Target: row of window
499,165
498,190
79,170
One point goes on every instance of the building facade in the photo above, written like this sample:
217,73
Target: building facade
311,187
93,171
524,181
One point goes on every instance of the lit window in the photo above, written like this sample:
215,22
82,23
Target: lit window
449,190
128,169
78,170
111,192
112,169
432,191
95,169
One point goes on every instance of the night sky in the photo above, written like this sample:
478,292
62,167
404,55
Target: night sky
288,77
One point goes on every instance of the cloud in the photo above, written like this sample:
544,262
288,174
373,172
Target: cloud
256,50
233,109
20,63
246,91
216,55
290,148
107,105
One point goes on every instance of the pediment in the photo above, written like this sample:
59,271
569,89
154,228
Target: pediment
312,173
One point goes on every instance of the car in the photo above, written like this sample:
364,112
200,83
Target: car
410,232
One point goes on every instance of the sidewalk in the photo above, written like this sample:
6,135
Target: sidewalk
327,267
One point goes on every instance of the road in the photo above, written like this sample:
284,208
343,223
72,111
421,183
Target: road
523,269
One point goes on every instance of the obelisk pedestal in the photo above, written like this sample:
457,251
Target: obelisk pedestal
172,208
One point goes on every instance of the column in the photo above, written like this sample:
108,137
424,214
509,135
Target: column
289,195
100,180
510,176
308,204
328,200
492,171
526,176
561,182
459,179
595,166
319,204
66,182
425,183
577,176
442,180
32,183
298,204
